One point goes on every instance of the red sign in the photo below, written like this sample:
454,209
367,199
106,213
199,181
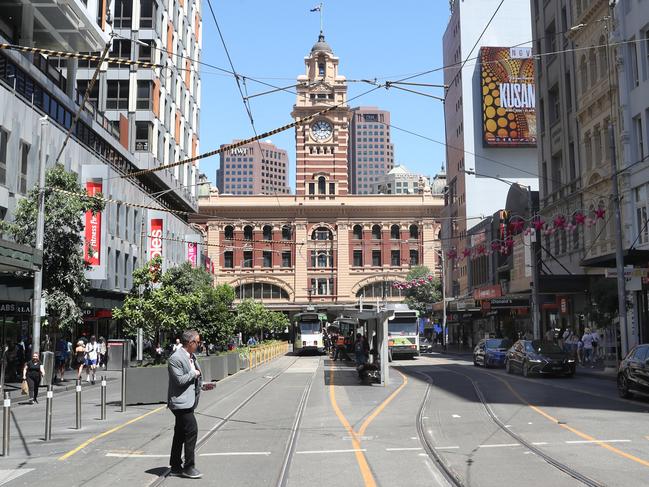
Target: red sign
192,253
92,247
488,292
155,238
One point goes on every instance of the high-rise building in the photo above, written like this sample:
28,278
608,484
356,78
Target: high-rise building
487,132
322,145
157,109
371,152
400,180
255,168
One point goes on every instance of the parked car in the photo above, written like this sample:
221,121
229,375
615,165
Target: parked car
491,352
425,345
539,357
633,373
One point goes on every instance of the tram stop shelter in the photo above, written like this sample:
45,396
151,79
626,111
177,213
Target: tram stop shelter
374,320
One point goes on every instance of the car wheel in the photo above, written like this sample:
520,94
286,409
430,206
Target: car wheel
508,367
623,386
526,369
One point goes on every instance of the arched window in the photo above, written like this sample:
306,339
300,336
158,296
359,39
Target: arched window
358,232
247,232
592,60
268,232
228,232
414,231
379,290
583,74
603,61
287,232
322,185
395,232
376,232
322,233
260,290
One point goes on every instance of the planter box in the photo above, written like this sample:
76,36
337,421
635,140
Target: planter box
146,385
233,363
243,363
219,367
205,363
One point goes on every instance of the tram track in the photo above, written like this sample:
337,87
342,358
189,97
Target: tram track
212,431
450,474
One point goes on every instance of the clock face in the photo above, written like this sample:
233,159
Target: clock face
321,130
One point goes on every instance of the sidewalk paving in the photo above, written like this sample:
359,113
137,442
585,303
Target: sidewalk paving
13,387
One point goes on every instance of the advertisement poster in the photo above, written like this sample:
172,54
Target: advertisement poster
92,247
192,253
508,97
155,238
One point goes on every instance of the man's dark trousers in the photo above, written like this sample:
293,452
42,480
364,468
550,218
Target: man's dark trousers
185,432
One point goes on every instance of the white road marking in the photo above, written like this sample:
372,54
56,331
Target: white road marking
234,454
312,452
455,416
415,438
447,447
539,443
403,449
574,442
134,455
529,423
501,445
12,474
508,426
224,454
362,438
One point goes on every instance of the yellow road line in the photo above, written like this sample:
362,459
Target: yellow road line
368,478
106,433
585,436
382,406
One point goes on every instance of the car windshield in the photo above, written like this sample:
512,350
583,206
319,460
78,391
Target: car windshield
401,329
498,343
309,327
545,347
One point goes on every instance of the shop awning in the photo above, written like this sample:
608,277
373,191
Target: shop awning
631,257
15,257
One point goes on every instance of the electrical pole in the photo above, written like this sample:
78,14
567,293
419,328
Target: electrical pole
40,230
536,322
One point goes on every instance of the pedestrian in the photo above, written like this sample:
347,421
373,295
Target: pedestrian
102,352
595,337
587,340
360,351
184,392
59,357
158,354
33,372
549,335
79,359
176,346
92,358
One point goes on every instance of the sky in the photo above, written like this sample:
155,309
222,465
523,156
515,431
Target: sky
268,40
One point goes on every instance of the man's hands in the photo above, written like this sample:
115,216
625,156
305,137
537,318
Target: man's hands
198,372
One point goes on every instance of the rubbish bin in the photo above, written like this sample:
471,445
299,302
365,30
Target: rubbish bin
48,365
115,353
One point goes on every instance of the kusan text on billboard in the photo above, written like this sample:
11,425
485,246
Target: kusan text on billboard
508,97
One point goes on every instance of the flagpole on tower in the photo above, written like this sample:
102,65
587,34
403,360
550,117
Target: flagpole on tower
321,15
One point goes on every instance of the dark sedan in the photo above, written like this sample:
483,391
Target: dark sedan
633,374
491,352
538,357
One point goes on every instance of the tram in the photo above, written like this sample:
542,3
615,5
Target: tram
307,332
403,332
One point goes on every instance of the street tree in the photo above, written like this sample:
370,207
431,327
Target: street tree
421,296
64,281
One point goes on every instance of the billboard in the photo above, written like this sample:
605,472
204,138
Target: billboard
508,97
92,247
155,238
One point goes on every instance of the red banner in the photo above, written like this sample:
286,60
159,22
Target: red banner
92,247
155,238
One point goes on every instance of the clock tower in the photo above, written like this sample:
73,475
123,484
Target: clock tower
321,144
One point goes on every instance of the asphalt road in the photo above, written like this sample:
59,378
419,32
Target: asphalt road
302,421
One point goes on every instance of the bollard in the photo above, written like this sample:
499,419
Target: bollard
78,402
103,397
48,413
123,388
6,424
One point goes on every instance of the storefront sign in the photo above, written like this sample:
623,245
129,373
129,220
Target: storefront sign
13,307
487,292
192,253
92,247
510,302
155,238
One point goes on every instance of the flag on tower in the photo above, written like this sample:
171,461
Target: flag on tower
317,8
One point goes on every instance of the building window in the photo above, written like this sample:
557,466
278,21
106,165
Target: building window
635,71
376,258
414,232
395,258
247,259
228,259
322,185
247,232
382,289
592,60
24,165
286,258
376,232
555,105
144,52
637,126
358,258
311,188
260,290
268,258
117,95
395,232
228,232
121,49
143,95
123,13
147,14
322,259
414,257
142,136
322,286
322,233
268,232
321,69
641,214
332,188
287,233
4,140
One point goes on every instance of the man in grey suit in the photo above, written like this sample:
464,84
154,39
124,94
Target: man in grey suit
184,390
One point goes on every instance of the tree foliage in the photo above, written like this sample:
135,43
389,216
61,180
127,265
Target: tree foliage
252,317
182,297
424,295
64,282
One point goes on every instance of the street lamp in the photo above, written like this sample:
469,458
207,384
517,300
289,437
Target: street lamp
536,323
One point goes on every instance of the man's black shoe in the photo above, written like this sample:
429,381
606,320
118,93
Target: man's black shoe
191,473
176,472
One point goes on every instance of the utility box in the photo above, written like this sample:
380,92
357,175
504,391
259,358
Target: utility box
48,365
118,353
